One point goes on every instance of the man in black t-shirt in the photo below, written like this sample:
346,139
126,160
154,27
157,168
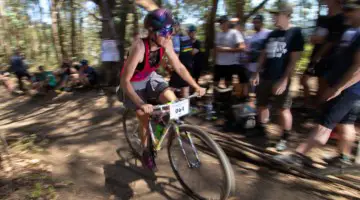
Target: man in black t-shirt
197,54
325,39
341,99
281,51
186,58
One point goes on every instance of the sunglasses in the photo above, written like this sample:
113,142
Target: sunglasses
166,31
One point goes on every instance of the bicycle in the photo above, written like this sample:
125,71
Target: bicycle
189,149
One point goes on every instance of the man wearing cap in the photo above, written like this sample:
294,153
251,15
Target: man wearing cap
342,99
197,54
326,38
281,51
87,75
186,57
229,42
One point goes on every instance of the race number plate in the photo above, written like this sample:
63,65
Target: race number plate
179,109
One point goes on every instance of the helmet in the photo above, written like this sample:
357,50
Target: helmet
84,62
158,19
192,28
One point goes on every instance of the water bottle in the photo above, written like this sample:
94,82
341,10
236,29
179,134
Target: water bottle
159,129
209,110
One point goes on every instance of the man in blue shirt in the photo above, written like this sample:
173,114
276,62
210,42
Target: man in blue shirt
19,68
87,75
341,97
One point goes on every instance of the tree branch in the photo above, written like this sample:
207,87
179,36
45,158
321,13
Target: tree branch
255,10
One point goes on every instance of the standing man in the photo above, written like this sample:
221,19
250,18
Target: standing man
197,54
342,98
186,58
19,68
326,38
279,56
256,42
229,42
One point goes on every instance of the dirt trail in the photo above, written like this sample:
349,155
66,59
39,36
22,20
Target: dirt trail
80,134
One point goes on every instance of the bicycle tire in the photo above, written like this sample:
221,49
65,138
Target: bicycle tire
229,180
128,134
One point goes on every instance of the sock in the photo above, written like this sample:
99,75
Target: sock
286,135
345,157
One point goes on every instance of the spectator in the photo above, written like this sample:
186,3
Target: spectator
64,74
228,45
326,38
186,58
281,51
198,57
176,37
255,42
341,100
87,75
18,67
44,80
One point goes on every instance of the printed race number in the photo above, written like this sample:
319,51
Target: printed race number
179,109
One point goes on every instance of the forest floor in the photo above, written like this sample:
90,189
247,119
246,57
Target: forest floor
72,147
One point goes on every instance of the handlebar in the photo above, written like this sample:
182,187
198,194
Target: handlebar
161,107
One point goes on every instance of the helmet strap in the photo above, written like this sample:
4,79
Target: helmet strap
154,39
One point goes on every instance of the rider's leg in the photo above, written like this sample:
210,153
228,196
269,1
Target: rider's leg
144,126
167,96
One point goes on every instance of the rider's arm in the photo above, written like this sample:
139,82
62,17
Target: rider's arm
352,76
136,53
179,67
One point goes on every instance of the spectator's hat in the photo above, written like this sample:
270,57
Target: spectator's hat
351,5
282,7
192,28
84,62
259,17
223,19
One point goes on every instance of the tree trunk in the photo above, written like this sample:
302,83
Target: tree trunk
122,27
54,29
81,38
73,29
210,31
135,20
41,30
3,33
240,6
61,34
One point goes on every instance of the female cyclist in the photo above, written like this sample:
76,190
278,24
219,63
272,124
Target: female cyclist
140,82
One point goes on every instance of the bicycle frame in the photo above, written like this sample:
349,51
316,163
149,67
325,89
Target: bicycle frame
173,124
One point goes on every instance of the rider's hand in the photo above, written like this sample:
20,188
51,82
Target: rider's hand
254,80
147,108
200,91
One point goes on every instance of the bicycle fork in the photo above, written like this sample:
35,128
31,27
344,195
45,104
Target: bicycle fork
190,164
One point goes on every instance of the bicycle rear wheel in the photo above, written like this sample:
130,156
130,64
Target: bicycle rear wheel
201,165
131,129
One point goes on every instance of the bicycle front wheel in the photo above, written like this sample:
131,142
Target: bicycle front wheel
200,165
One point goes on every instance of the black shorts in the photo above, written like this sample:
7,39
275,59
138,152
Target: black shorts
243,74
176,81
343,109
317,69
264,94
224,71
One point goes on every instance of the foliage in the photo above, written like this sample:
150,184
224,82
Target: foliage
305,58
